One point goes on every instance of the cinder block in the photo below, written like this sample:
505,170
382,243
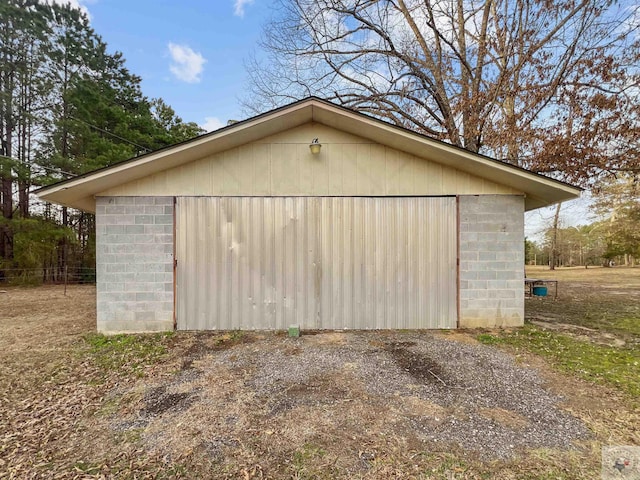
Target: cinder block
513,274
163,219
144,238
165,277
133,209
154,229
498,284
468,293
468,275
114,287
114,210
167,306
166,297
144,200
122,200
478,303
108,220
123,296
487,256
490,237
115,229
154,209
108,277
134,229
131,248
487,275
479,284
471,255
145,316
145,277
154,267
144,219
470,238
124,219
163,238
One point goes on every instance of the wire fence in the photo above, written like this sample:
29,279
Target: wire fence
48,276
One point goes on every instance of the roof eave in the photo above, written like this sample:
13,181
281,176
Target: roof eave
539,190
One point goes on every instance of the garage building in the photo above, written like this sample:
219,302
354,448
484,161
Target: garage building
311,215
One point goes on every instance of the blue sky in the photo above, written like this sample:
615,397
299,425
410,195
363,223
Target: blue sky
189,52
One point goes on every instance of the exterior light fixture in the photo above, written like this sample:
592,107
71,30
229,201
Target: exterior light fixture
315,147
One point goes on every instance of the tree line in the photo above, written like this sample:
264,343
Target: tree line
613,238
67,106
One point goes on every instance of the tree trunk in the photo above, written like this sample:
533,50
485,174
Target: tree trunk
553,254
62,245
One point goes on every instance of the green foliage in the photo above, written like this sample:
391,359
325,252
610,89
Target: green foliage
618,367
304,462
172,126
36,240
67,106
488,339
127,353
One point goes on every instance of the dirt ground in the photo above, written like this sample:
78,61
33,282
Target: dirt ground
328,405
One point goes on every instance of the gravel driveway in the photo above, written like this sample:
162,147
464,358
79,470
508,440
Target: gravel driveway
343,389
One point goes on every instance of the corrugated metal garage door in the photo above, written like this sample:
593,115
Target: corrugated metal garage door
319,262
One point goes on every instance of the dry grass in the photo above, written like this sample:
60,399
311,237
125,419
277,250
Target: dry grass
603,299
67,412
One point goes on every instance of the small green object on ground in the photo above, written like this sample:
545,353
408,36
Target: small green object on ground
294,331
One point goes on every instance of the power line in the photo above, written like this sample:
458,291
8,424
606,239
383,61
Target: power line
56,170
49,169
109,133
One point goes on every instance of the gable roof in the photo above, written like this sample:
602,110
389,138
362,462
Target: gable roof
79,192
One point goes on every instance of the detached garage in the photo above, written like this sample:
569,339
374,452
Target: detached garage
312,215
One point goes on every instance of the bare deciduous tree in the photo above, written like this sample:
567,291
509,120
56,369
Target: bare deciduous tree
486,75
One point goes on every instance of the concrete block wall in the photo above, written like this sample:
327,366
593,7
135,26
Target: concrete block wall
134,253
491,260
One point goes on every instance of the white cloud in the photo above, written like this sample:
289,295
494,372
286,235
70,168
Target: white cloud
186,64
212,123
239,7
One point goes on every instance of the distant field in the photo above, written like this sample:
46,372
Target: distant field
606,299
621,276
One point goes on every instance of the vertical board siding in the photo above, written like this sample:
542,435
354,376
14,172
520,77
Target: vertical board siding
318,262
282,165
